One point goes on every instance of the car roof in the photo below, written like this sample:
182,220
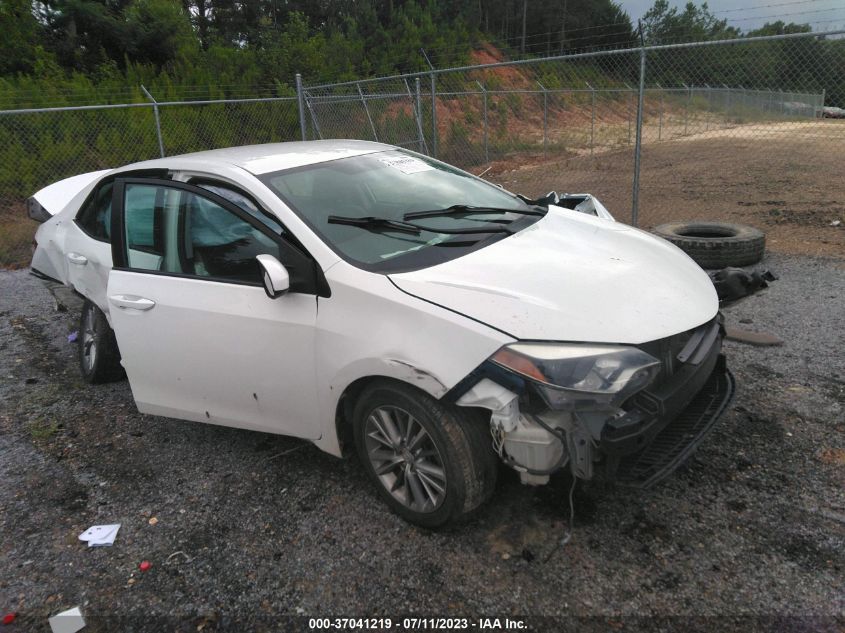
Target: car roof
270,157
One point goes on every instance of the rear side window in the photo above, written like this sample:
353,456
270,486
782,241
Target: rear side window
95,215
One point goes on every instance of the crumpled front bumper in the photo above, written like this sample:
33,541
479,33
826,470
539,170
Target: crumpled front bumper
664,424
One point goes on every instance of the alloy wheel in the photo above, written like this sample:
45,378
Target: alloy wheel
405,458
89,339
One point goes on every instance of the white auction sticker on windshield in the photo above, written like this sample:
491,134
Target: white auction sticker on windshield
406,164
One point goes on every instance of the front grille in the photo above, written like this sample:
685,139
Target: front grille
666,350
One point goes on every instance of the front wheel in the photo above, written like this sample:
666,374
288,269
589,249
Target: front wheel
99,358
431,463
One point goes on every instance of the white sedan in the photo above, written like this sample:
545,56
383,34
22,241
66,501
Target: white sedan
354,293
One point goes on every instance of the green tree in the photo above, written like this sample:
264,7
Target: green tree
157,31
663,24
20,35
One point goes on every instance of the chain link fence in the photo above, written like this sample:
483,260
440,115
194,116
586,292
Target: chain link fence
733,131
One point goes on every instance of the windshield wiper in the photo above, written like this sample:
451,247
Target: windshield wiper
371,223
465,209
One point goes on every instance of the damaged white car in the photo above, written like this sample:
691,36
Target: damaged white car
354,293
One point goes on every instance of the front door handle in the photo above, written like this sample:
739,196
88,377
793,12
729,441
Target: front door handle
76,258
132,302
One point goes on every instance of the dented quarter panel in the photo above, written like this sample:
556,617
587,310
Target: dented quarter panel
62,200
49,255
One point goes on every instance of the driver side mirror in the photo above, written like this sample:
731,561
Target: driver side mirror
273,275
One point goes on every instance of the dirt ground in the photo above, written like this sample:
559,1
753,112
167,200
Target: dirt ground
249,531
787,179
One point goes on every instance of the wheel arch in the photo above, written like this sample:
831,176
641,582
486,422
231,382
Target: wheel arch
350,395
346,405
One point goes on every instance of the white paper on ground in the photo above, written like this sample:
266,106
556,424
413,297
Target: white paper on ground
100,535
69,621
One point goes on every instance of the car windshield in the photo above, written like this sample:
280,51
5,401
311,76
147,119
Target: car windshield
333,198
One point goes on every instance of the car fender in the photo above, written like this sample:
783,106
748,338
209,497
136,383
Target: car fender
370,329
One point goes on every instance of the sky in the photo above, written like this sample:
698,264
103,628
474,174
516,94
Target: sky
823,15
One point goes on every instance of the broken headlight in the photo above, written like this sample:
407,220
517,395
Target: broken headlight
580,375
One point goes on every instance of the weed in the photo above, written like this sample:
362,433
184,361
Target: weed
42,430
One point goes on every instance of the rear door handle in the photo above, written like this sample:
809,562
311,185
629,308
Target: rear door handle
76,258
131,302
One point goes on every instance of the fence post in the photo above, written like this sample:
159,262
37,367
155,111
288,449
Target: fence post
158,121
301,107
686,108
635,200
433,116
545,117
660,121
486,133
367,110
592,116
728,102
418,115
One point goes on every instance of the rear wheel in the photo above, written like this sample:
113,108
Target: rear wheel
432,464
99,357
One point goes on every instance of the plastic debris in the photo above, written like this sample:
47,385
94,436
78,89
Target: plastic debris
69,621
733,284
760,339
836,223
145,565
153,521
71,338
100,535
179,553
9,618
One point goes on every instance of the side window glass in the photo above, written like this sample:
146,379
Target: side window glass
176,231
144,220
95,216
220,244
236,197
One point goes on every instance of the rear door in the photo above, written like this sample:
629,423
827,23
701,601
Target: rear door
198,336
87,246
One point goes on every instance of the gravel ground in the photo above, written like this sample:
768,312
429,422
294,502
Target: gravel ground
249,527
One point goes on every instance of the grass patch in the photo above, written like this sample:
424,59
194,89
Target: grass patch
41,430
15,241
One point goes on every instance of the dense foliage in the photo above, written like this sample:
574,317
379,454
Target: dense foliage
207,48
56,52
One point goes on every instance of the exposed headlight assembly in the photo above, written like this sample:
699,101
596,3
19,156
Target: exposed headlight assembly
580,375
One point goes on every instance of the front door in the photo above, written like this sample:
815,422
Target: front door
198,336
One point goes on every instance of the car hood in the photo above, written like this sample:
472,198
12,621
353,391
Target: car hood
572,277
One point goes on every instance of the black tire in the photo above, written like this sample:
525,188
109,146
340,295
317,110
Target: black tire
461,439
716,244
99,357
